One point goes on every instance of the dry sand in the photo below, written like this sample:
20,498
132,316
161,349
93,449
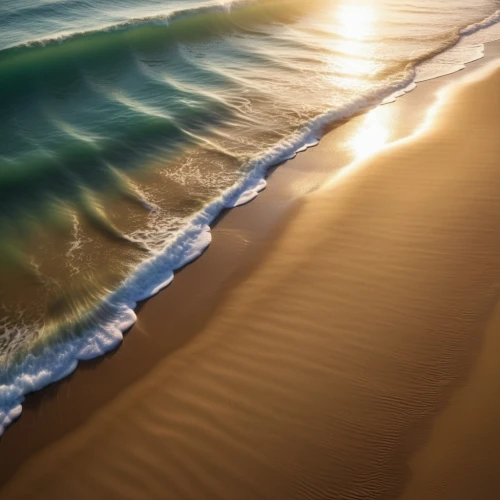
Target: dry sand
356,361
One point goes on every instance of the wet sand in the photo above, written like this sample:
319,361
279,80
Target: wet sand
349,357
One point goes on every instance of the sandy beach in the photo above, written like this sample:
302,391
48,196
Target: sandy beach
339,341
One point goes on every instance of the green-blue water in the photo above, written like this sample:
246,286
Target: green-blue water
127,127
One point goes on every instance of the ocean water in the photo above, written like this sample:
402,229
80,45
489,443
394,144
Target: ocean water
128,126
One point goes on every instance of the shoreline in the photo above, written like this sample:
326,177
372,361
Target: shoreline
241,238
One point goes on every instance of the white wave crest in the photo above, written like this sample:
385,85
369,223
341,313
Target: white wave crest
485,23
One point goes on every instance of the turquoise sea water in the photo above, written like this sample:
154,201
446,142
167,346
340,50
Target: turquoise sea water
127,126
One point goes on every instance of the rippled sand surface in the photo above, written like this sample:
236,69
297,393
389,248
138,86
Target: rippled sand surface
336,360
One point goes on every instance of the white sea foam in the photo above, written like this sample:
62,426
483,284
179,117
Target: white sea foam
453,60
485,23
251,193
400,93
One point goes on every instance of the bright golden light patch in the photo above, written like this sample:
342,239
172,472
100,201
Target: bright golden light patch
356,20
373,134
